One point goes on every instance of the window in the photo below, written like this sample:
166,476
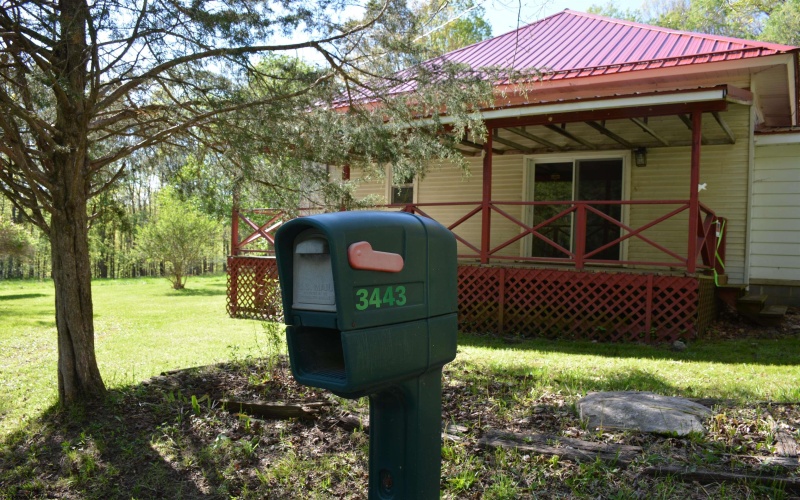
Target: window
402,190
565,179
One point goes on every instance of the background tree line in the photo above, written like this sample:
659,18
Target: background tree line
766,20
200,178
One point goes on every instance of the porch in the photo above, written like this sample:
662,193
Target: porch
577,265
577,295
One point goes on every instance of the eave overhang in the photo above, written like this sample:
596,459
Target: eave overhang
649,104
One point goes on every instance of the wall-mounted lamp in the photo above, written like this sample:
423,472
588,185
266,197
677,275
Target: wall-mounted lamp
640,157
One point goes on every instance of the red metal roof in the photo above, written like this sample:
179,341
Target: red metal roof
573,44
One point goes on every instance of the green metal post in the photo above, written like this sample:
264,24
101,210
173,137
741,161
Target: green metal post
405,439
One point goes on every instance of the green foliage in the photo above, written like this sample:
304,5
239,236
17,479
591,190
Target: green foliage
450,25
717,17
783,25
768,20
179,235
611,9
14,240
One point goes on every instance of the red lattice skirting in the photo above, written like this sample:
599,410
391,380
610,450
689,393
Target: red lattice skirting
253,291
581,305
530,302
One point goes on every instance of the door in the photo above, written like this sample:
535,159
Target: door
584,179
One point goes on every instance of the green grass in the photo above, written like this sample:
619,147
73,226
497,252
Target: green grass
142,328
747,370
170,438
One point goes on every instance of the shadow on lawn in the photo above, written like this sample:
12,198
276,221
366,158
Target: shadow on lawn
105,450
777,351
22,296
169,437
195,292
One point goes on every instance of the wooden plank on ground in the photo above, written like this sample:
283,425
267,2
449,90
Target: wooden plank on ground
272,410
785,445
786,450
571,449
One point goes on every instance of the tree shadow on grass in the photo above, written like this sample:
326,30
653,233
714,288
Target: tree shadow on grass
779,351
196,292
22,296
104,450
169,437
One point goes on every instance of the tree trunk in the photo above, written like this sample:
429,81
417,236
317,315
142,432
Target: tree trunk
78,375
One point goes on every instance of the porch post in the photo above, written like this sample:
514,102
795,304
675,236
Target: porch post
486,221
694,194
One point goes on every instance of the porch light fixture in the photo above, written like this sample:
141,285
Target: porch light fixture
640,157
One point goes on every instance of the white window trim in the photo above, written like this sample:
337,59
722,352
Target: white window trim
528,188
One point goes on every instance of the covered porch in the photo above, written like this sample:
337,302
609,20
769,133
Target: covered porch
577,251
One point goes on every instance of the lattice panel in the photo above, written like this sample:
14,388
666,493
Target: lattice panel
530,302
566,304
708,310
253,290
675,305
479,295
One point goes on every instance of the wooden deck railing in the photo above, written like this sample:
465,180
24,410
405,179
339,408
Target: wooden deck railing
569,223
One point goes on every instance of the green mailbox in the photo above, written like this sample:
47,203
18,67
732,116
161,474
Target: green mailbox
370,302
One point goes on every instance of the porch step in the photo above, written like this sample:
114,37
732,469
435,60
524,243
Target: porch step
729,294
754,308
772,315
751,304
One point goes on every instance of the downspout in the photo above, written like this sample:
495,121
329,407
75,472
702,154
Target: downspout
486,209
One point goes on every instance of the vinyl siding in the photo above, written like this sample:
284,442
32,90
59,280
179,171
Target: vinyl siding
724,169
775,223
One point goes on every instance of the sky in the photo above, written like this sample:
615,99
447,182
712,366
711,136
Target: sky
503,14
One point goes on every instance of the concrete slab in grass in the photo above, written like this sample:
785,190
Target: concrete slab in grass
644,412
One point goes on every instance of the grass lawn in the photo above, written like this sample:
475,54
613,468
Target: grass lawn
142,328
169,436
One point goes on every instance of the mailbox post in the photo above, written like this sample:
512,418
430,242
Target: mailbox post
370,303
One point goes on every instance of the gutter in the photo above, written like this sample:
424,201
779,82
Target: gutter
705,95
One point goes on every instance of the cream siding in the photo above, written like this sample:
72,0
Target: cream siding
724,170
775,223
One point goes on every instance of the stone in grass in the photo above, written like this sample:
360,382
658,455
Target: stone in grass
644,412
678,346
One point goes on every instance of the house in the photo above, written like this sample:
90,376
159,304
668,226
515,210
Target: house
646,173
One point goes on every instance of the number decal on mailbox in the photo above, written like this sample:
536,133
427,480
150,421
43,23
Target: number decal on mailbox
390,296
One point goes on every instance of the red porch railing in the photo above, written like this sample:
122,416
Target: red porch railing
261,239
708,242
537,301
570,222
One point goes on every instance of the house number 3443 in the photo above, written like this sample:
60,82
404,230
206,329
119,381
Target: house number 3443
378,297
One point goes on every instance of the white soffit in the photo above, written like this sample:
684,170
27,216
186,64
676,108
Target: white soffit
599,104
